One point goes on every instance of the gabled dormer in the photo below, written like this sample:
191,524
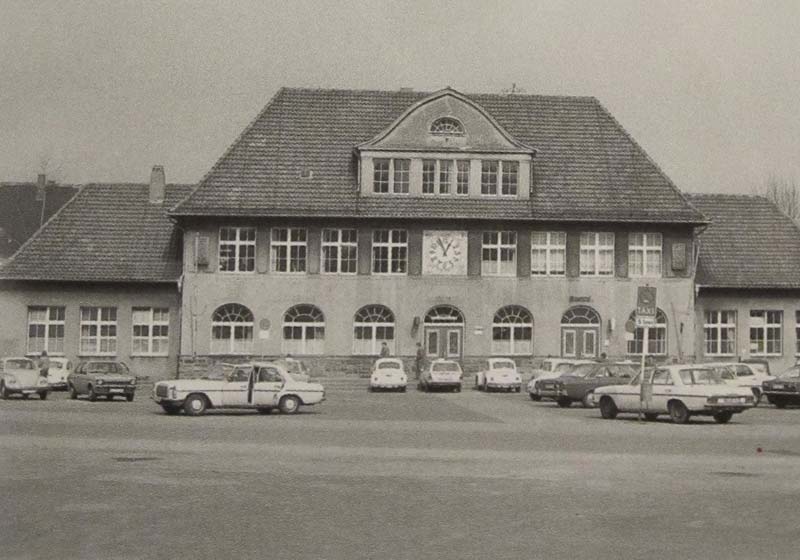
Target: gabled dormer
445,145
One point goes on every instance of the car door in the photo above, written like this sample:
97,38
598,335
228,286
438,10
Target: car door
79,378
663,390
269,382
236,390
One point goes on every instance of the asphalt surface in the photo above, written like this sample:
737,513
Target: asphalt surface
444,475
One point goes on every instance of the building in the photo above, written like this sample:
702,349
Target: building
748,281
476,225
100,279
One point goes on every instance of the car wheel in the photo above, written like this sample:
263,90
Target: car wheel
3,391
485,386
73,392
518,389
25,396
564,402
587,401
678,412
608,409
535,398
43,395
171,409
723,417
650,416
195,405
756,396
109,397
129,398
402,389
289,404
92,394
458,389
780,403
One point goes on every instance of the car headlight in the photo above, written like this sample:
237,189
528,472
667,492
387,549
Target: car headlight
11,380
100,381
174,391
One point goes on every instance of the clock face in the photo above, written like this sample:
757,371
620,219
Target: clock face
445,252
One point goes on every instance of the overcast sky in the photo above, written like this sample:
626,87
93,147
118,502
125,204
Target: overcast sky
101,91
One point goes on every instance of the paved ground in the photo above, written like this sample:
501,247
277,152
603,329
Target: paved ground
389,476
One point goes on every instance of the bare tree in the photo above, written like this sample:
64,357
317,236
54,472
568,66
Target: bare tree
784,193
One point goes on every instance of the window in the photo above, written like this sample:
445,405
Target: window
462,176
720,333
489,177
401,172
237,249
288,250
380,175
232,330
512,331
548,253
428,176
507,172
150,331
447,126
445,175
766,338
303,330
597,254
438,176
98,331
499,253
46,330
339,251
510,174
656,336
644,254
389,251
373,325
390,175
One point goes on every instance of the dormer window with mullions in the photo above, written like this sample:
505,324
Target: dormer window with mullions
447,126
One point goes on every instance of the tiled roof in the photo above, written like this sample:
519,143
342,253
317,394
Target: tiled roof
21,213
749,244
106,233
587,168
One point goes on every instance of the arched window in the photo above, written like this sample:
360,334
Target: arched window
303,330
512,331
232,330
372,326
656,336
444,315
447,126
580,315
580,332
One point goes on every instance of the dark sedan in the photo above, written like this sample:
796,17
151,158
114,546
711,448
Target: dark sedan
784,389
585,379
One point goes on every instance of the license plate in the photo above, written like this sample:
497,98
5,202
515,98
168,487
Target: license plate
116,390
778,386
28,392
731,401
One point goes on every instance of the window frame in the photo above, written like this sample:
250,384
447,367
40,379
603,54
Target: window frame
238,244
47,323
288,345
288,244
549,248
373,326
151,324
498,186
394,176
713,328
99,323
338,245
526,323
499,246
645,249
245,325
390,246
597,248
764,329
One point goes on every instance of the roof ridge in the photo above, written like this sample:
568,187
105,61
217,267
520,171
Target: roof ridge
424,93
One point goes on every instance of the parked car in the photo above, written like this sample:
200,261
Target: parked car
106,378
388,374
742,374
296,368
759,365
546,387
498,374
681,391
262,386
588,377
560,366
783,389
20,376
441,374
58,372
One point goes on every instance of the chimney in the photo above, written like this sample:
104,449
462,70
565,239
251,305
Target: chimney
157,184
41,183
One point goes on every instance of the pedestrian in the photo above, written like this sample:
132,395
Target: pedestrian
418,359
44,364
385,350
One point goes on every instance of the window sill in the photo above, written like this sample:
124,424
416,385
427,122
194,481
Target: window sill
289,273
149,355
105,355
236,271
49,354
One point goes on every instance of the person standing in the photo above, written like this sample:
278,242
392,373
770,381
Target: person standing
385,353
419,358
44,364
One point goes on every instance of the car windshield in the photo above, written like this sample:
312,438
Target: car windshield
505,364
563,368
622,370
107,367
295,366
389,365
697,376
581,370
19,364
56,365
759,368
792,373
445,367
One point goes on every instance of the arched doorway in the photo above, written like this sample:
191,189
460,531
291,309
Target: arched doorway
444,332
580,332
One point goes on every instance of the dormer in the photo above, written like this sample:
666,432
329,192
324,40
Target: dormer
445,145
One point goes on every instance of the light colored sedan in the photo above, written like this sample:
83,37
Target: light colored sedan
58,372
388,374
498,374
681,391
743,375
20,376
441,374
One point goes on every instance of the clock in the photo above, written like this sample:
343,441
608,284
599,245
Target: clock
444,252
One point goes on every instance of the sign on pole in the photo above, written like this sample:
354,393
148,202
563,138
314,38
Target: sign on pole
645,318
646,302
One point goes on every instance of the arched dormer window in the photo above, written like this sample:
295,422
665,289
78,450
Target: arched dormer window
447,126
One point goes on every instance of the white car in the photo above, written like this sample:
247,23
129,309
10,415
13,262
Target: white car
678,390
388,373
560,367
743,375
263,386
441,374
296,368
498,374
57,373
20,376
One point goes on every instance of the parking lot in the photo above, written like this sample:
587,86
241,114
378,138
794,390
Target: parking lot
441,475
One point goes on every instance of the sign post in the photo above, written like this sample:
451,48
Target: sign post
645,318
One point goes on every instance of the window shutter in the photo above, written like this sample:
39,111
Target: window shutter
313,256
365,251
523,253
414,252
201,251
573,254
262,249
621,254
474,253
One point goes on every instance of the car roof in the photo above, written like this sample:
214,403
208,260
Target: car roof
17,358
394,360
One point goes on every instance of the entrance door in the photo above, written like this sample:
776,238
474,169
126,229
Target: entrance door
443,342
579,342
454,343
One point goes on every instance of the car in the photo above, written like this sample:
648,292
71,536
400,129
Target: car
578,385
559,367
498,374
58,372
296,368
261,386
441,374
759,365
389,374
743,374
546,387
20,376
783,389
102,378
680,390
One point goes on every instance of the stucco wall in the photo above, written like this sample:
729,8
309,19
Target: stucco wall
15,297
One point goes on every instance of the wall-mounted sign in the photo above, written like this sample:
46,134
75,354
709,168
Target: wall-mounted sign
679,256
444,253
478,331
580,299
264,324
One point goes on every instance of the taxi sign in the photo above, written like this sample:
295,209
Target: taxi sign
645,302
645,321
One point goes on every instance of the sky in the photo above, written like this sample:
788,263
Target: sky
102,91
